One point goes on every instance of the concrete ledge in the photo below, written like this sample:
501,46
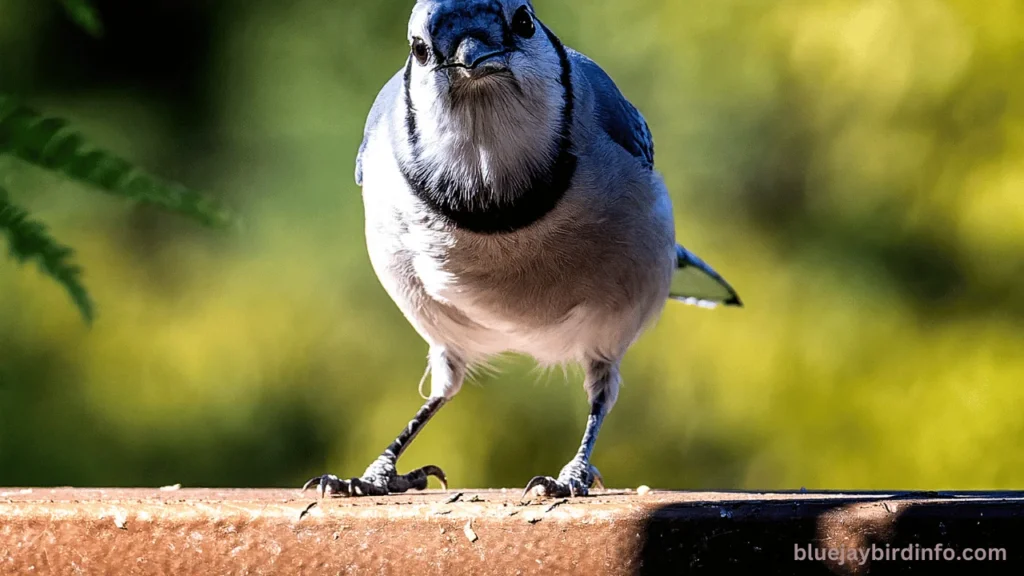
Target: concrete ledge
150,531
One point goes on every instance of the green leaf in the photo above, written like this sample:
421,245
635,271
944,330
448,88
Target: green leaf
30,240
49,143
84,14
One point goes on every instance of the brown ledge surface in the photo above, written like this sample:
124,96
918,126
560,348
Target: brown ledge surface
236,531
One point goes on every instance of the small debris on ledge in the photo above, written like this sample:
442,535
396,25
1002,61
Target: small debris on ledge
468,531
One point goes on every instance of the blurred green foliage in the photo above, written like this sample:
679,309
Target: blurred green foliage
29,240
854,167
48,143
84,14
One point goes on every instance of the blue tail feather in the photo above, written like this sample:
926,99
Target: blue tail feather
697,283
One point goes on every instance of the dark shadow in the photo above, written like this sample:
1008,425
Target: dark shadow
763,536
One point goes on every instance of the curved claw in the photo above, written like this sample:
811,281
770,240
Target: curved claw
376,483
321,483
572,482
548,487
416,480
329,484
436,472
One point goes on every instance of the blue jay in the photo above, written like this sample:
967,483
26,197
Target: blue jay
512,205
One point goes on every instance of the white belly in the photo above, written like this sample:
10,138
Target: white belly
455,317
557,343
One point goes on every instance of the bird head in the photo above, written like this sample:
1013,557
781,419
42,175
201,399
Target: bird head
462,49
487,103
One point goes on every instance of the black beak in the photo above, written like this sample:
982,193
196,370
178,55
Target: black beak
476,58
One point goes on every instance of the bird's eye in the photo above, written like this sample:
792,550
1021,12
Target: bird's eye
522,23
420,50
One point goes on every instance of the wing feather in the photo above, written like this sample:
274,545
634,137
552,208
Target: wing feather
621,121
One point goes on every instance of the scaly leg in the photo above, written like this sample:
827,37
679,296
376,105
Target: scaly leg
381,477
578,476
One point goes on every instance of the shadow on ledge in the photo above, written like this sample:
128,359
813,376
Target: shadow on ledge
906,533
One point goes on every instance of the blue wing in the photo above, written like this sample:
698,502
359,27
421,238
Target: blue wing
386,98
696,283
620,119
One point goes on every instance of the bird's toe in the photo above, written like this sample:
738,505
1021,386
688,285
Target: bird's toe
575,479
328,485
380,479
547,487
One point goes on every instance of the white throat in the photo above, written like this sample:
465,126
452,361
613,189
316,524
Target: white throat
493,137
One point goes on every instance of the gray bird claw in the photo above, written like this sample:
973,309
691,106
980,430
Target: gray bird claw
548,487
573,481
380,479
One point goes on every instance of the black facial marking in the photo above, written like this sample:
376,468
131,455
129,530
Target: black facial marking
475,209
410,111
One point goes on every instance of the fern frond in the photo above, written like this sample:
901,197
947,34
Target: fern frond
83,13
30,240
49,143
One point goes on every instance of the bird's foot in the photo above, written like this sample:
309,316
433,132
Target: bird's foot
380,479
575,479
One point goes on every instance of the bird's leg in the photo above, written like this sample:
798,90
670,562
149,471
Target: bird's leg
381,477
578,476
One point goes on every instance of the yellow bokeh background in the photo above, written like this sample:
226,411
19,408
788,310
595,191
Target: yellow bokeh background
854,167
